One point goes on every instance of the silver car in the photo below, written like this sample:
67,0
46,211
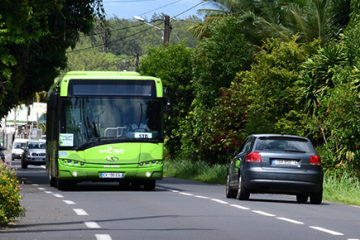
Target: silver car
34,153
274,163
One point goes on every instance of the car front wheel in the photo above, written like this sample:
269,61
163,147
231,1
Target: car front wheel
242,192
230,193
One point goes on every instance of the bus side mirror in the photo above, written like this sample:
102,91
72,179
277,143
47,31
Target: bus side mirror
53,100
166,90
167,104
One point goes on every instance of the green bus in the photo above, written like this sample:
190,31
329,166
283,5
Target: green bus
105,126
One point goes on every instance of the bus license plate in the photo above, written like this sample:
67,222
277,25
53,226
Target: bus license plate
111,175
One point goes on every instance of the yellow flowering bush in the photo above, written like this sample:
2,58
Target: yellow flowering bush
9,194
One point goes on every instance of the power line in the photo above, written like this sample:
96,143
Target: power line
188,10
138,25
160,7
116,40
132,1
153,10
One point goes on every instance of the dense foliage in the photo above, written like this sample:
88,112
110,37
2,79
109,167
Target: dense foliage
9,195
173,66
215,63
33,40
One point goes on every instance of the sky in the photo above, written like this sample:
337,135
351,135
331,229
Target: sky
146,8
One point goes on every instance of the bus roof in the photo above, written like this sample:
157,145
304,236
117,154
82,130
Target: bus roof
106,75
102,73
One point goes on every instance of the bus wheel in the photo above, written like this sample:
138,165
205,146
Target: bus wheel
150,185
52,181
124,184
62,184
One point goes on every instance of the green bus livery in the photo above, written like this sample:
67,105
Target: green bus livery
105,126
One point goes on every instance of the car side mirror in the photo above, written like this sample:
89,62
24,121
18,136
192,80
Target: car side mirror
231,151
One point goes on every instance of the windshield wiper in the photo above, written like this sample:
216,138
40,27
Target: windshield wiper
92,140
294,150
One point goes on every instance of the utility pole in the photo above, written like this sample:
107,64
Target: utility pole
137,64
166,30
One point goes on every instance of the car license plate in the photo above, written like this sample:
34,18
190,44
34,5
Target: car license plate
111,175
284,162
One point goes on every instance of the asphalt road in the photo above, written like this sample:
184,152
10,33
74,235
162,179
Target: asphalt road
177,209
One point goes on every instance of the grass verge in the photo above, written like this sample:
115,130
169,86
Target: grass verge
340,188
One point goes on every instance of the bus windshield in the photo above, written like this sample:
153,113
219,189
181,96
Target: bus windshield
88,118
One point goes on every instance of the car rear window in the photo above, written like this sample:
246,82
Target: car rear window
282,144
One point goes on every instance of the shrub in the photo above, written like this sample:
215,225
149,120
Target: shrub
9,195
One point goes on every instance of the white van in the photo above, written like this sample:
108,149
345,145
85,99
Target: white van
17,149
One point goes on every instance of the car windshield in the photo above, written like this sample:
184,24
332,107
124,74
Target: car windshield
19,145
36,145
282,144
94,119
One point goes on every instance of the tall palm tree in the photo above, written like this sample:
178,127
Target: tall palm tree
261,19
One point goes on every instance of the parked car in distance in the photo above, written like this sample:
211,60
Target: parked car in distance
34,153
274,163
17,149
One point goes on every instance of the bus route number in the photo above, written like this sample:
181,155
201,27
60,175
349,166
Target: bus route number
143,135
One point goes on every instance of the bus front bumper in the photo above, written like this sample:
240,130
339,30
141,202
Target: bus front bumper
106,174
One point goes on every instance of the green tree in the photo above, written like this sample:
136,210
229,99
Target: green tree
329,91
215,64
85,57
173,66
271,89
310,19
33,42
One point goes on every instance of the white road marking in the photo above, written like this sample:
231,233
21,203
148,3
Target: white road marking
42,189
69,202
58,195
289,220
103,237
160,188
48,192
264,213
326,230
99,236
240,207
219,201
187,194
197,196
354,206
80,211
35,185
92,225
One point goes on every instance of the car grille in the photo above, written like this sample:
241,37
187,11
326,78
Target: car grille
38,154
